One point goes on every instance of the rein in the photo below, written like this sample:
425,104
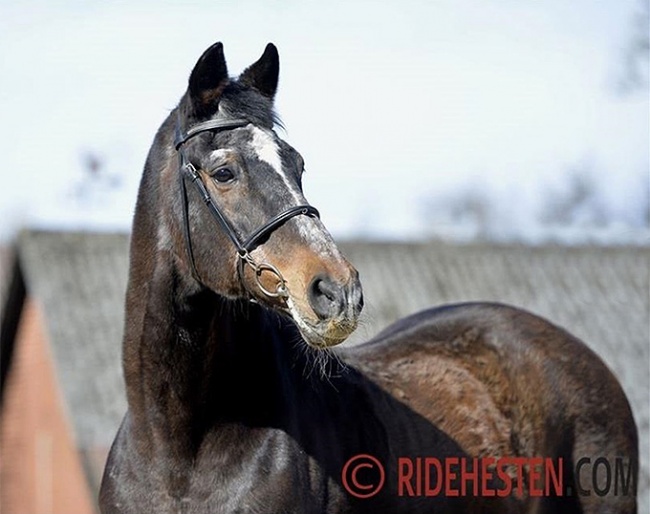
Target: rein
244,247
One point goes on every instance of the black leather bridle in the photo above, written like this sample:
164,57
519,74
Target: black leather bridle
245,246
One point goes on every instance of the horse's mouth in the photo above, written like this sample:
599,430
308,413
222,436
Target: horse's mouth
324,334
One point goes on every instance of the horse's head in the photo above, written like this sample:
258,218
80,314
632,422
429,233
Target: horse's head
247,229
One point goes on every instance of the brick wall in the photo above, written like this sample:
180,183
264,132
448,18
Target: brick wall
40,468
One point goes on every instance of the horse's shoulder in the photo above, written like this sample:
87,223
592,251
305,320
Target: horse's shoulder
465,365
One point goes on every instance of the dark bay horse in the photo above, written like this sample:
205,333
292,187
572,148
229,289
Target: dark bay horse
236,401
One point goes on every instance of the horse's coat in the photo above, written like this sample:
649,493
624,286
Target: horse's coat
226,413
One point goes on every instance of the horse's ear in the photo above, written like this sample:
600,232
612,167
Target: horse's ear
209,78
263,74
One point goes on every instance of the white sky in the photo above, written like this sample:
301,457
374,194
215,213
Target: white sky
393,104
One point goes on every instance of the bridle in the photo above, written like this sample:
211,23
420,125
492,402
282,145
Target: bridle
244,247
247,245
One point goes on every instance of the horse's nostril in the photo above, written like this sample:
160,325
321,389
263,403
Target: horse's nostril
359,306
326,297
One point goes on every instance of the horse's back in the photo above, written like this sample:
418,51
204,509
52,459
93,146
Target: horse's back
503,382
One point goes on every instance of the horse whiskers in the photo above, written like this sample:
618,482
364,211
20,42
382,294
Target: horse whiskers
315,360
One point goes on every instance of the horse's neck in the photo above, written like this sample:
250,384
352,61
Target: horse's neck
191,358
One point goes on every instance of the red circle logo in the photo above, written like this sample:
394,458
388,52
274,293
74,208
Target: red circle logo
363,476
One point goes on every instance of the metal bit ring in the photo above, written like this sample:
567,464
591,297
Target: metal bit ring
281,290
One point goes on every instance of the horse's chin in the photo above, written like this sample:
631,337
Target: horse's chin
320,341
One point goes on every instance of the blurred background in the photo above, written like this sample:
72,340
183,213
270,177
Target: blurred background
505,120
468,150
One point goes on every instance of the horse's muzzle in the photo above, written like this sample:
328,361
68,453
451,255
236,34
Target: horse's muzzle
337,306
331,299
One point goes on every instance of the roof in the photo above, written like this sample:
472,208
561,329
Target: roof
600,294
79,281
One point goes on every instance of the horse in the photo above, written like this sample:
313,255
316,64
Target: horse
239,399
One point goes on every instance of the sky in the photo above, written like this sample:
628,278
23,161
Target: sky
399,108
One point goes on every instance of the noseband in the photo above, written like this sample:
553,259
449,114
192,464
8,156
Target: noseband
245,246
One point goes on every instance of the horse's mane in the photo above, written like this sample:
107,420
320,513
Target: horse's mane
239,101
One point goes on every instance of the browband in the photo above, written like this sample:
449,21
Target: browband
216,124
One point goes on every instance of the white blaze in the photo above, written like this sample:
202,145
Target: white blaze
267,150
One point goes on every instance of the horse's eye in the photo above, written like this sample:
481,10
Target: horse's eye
223,175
